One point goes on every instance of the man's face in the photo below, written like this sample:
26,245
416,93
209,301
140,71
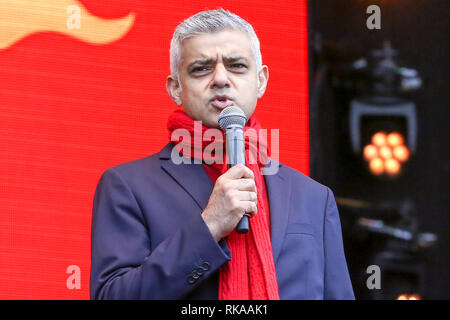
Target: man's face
217,70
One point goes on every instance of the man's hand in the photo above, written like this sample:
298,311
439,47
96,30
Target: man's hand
234,194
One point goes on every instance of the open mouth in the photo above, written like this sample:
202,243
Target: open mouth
221,102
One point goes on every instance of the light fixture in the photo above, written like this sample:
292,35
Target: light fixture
383,131
386,153
405,296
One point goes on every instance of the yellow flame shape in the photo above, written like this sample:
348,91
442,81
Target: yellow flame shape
20,18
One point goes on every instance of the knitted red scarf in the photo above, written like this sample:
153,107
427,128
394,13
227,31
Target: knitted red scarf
250,274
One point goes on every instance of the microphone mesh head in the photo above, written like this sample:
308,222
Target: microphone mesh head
232,116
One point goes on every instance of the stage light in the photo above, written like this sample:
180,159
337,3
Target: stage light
386,153
408,297
395,139
379,139
381,119
370,152
376,166
401,153
392,167
377,134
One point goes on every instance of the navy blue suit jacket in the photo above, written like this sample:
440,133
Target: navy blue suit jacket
149,240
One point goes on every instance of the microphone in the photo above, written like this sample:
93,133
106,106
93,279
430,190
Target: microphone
232,120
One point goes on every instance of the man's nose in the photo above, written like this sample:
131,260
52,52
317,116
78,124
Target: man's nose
220,77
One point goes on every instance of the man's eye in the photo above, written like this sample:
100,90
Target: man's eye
200,69
238,66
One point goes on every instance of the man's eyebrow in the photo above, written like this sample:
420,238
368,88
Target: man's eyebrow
208,61
201,62
235,59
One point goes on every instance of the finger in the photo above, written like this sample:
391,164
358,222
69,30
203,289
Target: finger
250,207
242,184
247,196
239,171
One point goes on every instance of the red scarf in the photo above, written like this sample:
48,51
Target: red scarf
250,274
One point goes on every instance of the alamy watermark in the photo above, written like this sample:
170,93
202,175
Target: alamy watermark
374,20
374,280
74,280
214,151
74,20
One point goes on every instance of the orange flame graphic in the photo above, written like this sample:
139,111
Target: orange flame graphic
21,18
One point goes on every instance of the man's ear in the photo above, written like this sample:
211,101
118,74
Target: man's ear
174,89
263,78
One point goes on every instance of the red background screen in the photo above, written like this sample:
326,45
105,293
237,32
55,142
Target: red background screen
70,109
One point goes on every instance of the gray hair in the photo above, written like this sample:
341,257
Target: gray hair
209,22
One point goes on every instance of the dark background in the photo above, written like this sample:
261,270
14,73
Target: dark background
419,30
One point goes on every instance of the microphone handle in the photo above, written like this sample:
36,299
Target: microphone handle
236,154
243,225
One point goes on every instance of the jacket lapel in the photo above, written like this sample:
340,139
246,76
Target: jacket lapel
191,177
279,192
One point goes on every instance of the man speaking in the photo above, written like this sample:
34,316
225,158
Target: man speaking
166,230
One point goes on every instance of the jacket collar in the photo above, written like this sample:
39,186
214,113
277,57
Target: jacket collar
194,180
